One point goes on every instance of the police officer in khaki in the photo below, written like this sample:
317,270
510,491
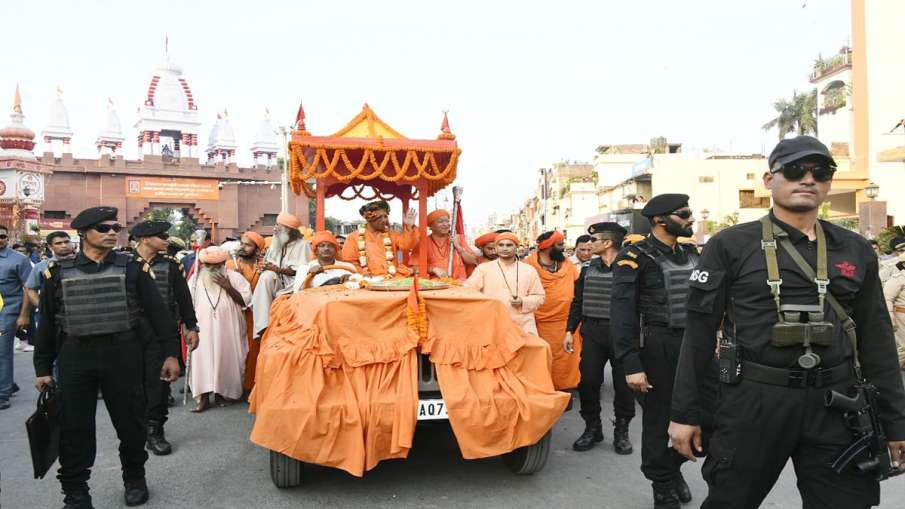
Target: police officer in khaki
95,311
152,242
800,308
647,321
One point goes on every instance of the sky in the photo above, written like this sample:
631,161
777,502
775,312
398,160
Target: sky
526,83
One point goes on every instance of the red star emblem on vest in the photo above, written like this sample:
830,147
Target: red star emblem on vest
846,269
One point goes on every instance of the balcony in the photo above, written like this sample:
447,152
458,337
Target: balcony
826,66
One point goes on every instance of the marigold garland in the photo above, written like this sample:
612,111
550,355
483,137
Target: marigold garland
418,321
387,245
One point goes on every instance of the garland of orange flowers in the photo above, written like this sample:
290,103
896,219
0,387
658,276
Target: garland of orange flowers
426,166
418,321
387,245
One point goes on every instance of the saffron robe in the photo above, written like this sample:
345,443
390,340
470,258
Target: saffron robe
500,281
403,241
438,249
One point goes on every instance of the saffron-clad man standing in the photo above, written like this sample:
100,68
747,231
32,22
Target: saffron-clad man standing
514,283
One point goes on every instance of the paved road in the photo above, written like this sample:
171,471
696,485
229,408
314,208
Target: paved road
215,465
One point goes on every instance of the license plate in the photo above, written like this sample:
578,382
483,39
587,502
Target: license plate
431,409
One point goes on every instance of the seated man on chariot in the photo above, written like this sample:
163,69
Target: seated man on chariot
439,248
374,247
325,269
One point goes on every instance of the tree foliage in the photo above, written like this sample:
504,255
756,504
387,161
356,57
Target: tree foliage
183,225
798,115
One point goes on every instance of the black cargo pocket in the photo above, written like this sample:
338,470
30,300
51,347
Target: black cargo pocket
719,460
703,285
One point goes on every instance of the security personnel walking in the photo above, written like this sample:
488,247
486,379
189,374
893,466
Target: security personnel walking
650,287
153,242
591,310
801,308
93,312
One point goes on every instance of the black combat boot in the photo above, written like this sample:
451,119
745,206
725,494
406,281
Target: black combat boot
682,490
621,443
665,495
136,492
593,433
157,442
77,499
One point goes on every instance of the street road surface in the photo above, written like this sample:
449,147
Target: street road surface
214,465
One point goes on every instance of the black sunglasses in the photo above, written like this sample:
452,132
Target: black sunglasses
163,236
794,172
682,214
3,237
105,228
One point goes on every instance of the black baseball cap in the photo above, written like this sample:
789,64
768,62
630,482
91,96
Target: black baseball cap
793,149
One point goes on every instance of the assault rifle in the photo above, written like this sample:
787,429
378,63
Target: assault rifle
868,454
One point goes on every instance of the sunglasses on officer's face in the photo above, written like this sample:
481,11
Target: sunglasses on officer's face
163,236
682,214
796,172
105,228
3,236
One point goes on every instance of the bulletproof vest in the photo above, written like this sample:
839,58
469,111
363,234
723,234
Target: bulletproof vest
598,287
161,270
667,305
99,303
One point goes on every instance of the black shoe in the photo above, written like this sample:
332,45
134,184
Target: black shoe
593,433
682,490
157,442
4,404
621,443
171,401
136,492
665,495
78,499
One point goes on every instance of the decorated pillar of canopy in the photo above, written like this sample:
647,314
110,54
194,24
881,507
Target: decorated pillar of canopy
57,128
367,159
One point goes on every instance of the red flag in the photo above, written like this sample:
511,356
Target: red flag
460,222
300,118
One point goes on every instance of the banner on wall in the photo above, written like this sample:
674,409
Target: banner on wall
172,188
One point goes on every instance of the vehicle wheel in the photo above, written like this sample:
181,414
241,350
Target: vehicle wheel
285,472
530,459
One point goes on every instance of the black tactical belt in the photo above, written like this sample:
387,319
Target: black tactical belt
796,378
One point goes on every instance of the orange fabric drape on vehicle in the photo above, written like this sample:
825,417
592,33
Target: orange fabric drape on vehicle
552,317
337,376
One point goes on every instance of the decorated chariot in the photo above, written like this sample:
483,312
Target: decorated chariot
344,375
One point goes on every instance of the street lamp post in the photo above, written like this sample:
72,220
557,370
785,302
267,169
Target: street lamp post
872,191
872,214
284,170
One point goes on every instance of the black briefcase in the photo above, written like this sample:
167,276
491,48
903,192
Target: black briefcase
44,431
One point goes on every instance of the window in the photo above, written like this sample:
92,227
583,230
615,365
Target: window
269,220
705,180
54,214
747,200
749,176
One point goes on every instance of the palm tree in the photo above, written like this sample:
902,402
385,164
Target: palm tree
799,114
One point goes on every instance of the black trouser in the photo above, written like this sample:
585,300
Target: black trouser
157,390
759,427
113,364
596,351
660,355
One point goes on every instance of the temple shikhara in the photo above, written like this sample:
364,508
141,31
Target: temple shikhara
44,187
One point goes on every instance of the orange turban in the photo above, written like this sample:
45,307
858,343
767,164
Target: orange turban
213,255
551,241
507,236
324,236
288,220
437,214
485,239
256,238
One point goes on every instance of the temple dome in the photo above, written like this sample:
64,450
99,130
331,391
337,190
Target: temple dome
265,137
112,130
222,135
58,123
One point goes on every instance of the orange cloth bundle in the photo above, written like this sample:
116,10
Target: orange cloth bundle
337,377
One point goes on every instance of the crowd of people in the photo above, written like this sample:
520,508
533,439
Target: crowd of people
651,306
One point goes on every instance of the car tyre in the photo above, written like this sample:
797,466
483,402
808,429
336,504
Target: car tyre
529,459
285,472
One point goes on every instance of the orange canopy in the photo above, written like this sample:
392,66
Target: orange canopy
337,376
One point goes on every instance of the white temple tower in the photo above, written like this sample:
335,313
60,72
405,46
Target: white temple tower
57,128
221,147
169,116
110,139
265,147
